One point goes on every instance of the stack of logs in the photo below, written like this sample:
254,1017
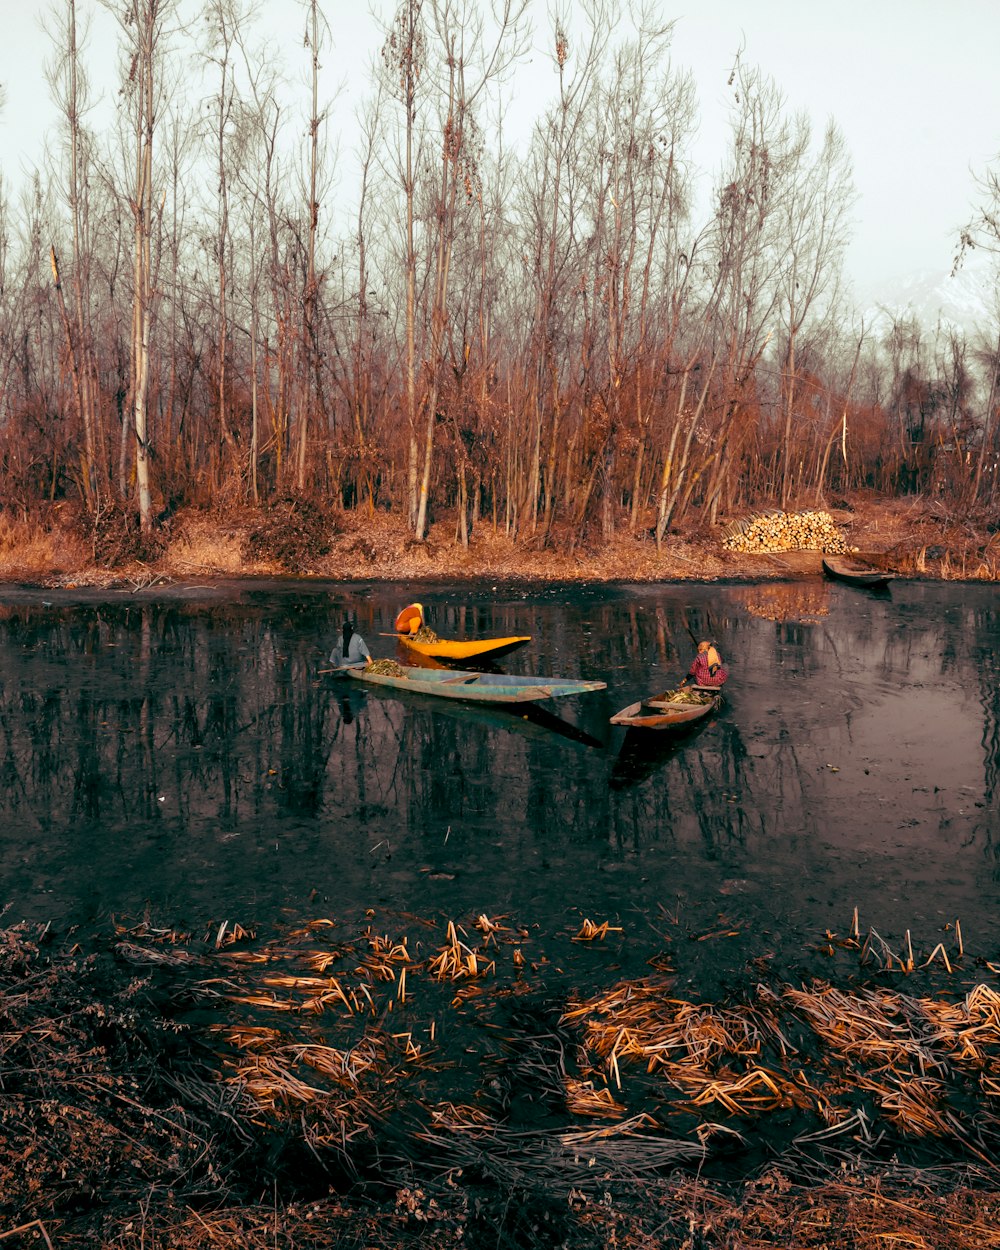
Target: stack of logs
786,531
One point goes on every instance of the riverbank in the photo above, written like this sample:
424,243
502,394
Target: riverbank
912,537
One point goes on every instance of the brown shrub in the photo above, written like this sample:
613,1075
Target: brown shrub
295,533
118,537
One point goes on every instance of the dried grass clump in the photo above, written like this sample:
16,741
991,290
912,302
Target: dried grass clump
456,960
873,1209
954,557
32,549
930,1066
154,1090
89,1111
203,545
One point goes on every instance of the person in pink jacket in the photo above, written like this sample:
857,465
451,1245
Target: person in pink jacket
707,668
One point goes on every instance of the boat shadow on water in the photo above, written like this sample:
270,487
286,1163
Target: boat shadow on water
643,752
527,718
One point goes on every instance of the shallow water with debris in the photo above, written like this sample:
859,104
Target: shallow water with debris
182,751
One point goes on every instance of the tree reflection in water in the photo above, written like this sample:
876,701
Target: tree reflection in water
191,752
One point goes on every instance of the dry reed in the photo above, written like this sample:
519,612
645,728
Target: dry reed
644,1082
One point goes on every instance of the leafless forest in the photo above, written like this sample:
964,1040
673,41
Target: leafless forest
216,301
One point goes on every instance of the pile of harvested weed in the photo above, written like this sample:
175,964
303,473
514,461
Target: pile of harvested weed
431,1083
684,694
385,668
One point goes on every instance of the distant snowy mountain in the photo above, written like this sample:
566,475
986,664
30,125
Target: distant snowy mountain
968,300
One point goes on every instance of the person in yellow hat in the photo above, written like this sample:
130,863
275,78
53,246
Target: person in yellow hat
707,668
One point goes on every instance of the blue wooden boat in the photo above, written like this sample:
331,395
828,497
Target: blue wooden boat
447,683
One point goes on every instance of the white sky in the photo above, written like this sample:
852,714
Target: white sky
913,85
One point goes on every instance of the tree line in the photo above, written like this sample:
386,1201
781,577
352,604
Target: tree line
210,303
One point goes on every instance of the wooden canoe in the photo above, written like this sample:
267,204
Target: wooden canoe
471,649
658,713
475,687
856,574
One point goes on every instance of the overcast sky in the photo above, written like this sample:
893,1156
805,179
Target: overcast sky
913,84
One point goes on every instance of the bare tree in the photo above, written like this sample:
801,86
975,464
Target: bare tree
403,55
551,245
310,378
461,39
743,256
259,175
814,209
356,376
69,87
144,26
982,233
642,118
224,18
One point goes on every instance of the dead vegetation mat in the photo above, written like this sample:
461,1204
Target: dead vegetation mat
368,1089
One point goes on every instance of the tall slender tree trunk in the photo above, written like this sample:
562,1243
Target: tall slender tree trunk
83,364
142,273
310,374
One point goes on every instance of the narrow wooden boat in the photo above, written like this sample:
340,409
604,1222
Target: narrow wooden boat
665,713
474,687
454,649
856,574
411,619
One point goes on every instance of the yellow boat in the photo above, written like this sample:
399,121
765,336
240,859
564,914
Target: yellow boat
445,649
411,620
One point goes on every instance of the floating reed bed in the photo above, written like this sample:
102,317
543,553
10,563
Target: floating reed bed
416,1053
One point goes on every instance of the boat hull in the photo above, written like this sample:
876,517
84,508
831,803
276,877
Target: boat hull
474,687
471,649
873,579
660,714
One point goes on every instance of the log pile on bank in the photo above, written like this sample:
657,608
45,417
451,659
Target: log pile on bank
771,532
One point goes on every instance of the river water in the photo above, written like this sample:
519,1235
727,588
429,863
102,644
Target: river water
179,753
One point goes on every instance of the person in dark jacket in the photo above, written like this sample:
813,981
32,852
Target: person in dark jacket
706,668
352,650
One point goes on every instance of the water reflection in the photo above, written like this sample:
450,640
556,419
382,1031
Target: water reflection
783,601
192,753
644,751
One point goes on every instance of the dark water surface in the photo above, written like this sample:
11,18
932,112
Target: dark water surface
181,750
